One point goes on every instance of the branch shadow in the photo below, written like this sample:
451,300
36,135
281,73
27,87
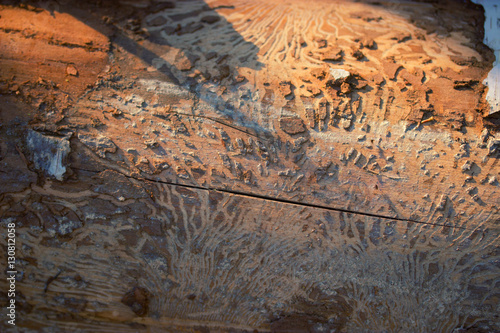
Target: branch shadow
205,52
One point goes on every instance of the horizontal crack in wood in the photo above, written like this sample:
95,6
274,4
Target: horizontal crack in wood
285,201
214,120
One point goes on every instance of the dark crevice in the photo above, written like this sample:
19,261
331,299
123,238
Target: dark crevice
214,120
51,41
73,45
284,201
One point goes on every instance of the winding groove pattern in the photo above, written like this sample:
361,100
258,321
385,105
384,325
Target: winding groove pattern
220,258
232,185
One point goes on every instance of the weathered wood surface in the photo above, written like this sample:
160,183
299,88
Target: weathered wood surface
195,166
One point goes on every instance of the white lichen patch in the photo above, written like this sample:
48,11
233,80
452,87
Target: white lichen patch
49,153
492,39
339,74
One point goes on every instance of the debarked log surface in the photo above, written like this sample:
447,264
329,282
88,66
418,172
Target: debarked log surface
249,166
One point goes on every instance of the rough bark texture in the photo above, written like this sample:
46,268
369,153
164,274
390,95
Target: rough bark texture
231,166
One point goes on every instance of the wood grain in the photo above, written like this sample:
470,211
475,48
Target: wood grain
274,166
